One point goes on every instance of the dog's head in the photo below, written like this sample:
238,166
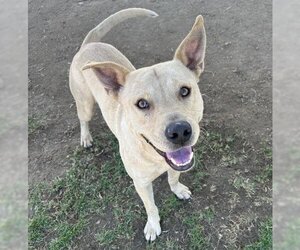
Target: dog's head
162,103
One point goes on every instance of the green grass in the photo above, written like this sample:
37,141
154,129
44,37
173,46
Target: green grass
196,236
34,124
266,172
265,237
96,199
123,229
61,209
267,151
208,214
65,233
241,182
170,204
167,244
265,175
223,146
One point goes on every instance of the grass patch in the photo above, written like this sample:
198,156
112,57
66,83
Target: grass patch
267,151
65,233
96,201
170,204
34,124
124,217
167,244
61,209
266,174
197,239
265,237
267,171
224,147
208,214
241,182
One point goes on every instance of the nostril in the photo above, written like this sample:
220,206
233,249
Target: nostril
187,132
174,135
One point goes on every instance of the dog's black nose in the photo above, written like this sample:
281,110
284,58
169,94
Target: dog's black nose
178,132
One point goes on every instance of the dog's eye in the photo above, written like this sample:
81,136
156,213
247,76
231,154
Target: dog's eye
142,104
184,91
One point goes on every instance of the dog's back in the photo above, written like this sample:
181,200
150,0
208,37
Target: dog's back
82,85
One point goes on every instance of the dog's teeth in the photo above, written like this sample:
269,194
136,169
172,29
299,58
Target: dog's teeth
191,156
173,161
182,164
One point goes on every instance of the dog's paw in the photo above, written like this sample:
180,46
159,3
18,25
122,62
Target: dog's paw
181,191
152,230
86,140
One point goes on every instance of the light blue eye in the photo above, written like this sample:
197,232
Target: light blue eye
185,91
142,104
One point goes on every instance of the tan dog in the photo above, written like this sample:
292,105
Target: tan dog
154,111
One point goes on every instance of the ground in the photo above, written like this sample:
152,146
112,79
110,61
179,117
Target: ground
83,199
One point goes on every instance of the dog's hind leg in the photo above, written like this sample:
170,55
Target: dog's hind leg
181,191
85,135
85,112
85,103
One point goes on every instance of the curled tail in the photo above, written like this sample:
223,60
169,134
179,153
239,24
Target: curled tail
96,34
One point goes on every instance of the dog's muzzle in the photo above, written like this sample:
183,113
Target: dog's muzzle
180,160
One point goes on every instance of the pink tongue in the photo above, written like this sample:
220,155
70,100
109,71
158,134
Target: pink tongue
181,156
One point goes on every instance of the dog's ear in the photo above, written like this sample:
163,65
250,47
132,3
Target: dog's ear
191,51
111,75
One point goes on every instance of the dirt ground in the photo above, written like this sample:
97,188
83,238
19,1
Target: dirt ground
236,88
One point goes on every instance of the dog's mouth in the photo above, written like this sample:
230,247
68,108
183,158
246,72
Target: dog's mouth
180,160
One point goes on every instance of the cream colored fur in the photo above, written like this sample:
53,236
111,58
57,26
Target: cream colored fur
101,74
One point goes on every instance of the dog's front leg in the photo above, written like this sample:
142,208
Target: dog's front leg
152,228
181,191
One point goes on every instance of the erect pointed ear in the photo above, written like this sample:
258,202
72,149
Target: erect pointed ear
191,51
111,75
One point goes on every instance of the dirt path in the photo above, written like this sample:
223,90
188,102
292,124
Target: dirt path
236,84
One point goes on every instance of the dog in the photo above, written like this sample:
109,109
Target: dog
154,112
